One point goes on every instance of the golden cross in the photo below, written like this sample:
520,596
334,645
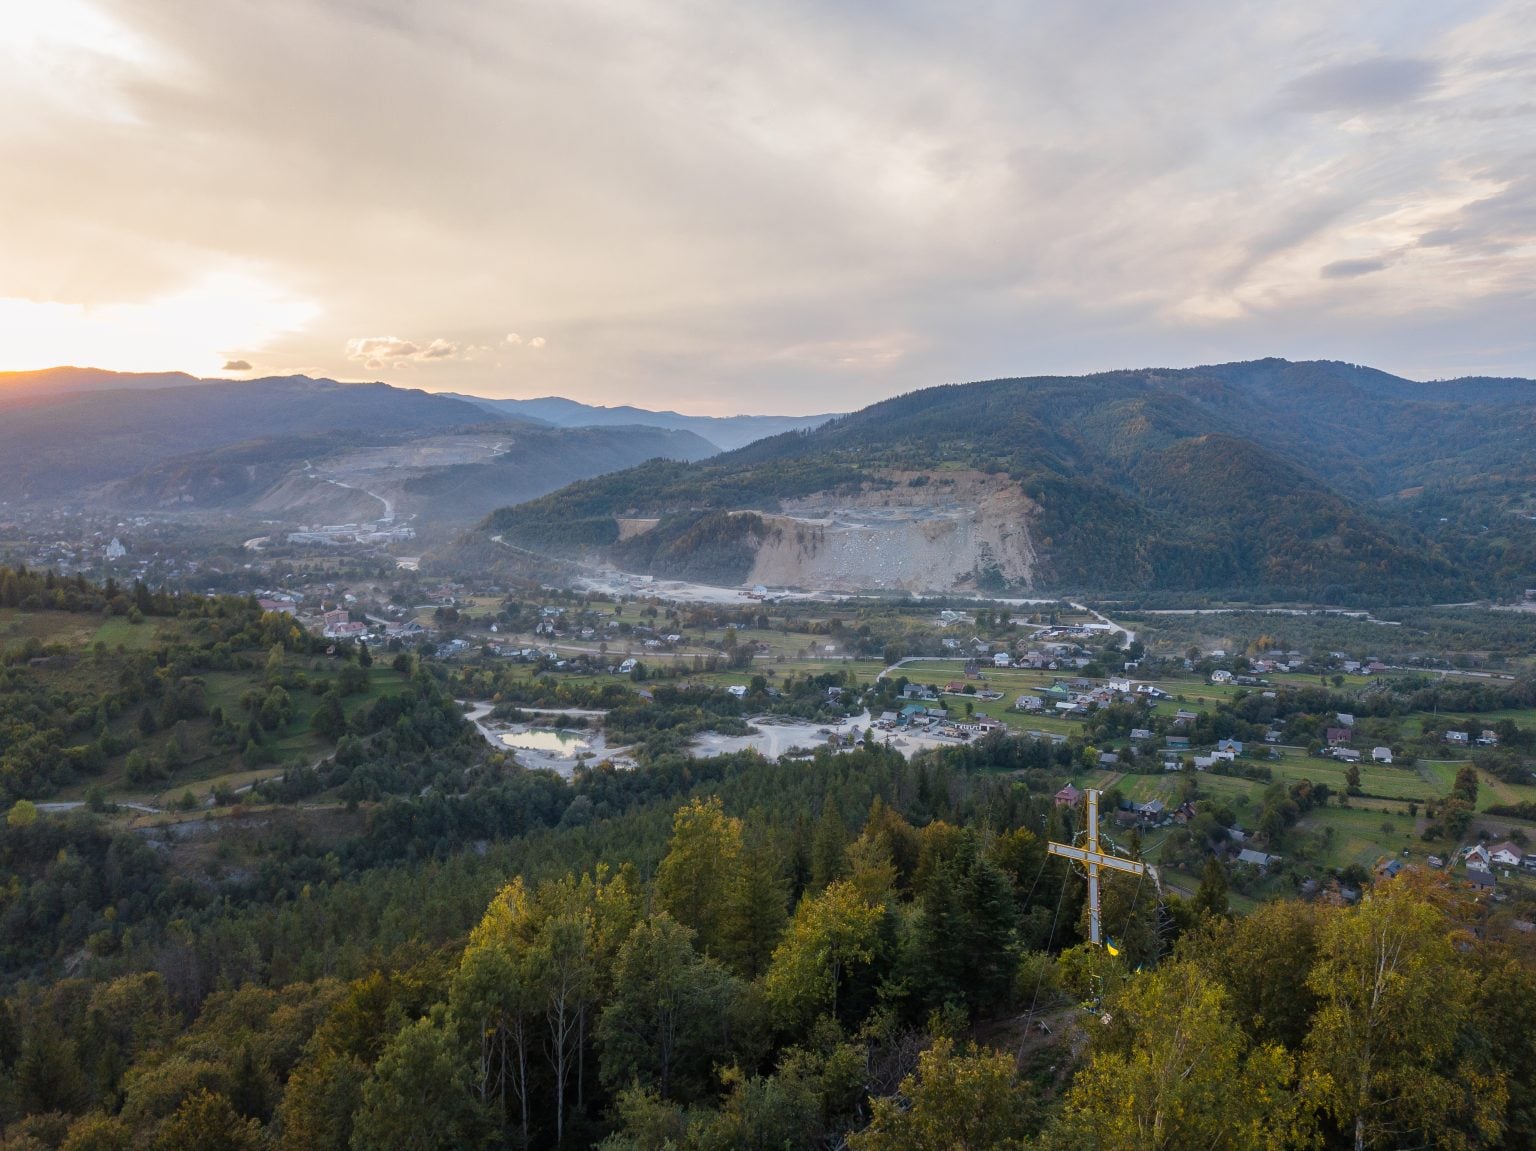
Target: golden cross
1093,858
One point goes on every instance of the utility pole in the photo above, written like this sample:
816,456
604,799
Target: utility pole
1092,858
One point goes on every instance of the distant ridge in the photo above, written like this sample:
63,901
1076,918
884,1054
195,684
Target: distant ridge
62,380
727,432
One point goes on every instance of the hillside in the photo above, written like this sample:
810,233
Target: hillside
1266,479
292,448
53,447
450,477
727,432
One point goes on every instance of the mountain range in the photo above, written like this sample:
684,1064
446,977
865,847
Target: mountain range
315,450
1265,479
724,431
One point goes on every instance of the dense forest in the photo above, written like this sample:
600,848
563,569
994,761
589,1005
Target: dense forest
714,980
1146,481
413,941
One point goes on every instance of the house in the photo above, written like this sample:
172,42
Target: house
739,690
1346,754
1221,676
1389,869
1068,796
1151,812
1339,735
888,718
1459,738
1506,854
1477,858
1481,880
1232,746
1489,738
1345,719
1108,759
627,666
1381,755
1178,741
1138,734
1182,717
1256,858
1029,703
1002,659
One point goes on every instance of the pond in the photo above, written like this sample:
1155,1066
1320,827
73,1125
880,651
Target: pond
548,740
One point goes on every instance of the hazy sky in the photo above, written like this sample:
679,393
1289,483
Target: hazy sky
763,206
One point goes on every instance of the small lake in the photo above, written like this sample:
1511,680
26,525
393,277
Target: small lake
549,741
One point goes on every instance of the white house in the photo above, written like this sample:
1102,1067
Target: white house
1381,755
1221,675
1478,858
1506,854
1001,659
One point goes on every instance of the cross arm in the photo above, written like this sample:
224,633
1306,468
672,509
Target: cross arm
1113,862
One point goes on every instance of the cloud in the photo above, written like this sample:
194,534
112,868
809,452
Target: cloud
380,348
771,205
1348,269
376,352
1362,85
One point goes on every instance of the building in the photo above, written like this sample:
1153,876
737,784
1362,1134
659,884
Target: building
1506,854
1381,755
1256,858
1068,796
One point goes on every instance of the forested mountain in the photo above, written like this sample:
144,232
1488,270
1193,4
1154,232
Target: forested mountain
725,431
449,477
292,447
55,446
1269,479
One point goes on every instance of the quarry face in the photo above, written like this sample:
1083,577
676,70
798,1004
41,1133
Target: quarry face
928,532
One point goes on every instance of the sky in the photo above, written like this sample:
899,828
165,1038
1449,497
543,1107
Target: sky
763,207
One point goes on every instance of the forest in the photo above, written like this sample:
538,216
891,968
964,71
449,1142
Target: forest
415,942
764,980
